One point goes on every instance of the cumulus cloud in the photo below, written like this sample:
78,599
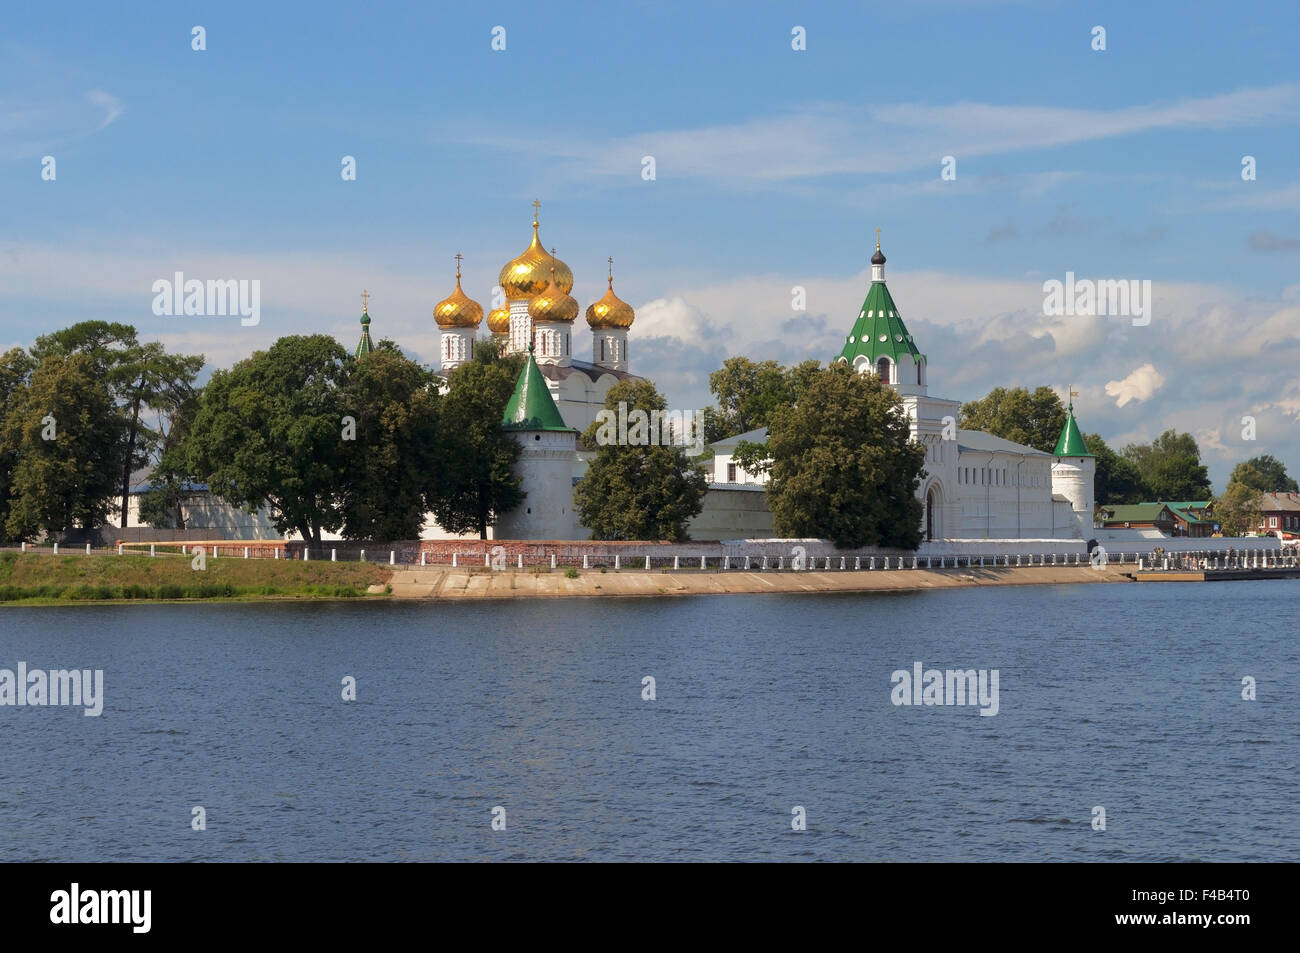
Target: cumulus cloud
1141,384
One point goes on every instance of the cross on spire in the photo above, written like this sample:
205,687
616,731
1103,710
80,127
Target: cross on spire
365,301
458,266
610,259
877,239
537,205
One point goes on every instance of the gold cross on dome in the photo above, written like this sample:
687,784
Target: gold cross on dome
457,264
536,208
365,301
611,267
877,239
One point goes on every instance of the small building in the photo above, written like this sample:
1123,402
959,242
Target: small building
1281,514
1137,516
725,469
1193,518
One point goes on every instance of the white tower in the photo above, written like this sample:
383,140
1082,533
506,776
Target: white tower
1074,473
458,319
610,319
522,280
545,465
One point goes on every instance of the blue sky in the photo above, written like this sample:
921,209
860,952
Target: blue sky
773,168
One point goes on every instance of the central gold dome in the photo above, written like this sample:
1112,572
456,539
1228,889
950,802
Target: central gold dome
528,275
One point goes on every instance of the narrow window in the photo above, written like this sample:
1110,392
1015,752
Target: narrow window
731,473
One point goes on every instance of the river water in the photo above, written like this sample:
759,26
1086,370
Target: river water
1122,697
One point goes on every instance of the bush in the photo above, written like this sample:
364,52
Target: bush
571,573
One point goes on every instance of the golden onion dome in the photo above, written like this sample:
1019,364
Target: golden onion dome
498,320
610,311
457,310
528,275
553,304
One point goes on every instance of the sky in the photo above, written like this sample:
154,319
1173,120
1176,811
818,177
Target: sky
773,167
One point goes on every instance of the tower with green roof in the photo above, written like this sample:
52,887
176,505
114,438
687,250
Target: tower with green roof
879,342
1074,470
365,345
547,455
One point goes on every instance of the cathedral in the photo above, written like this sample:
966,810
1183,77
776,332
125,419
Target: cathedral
974,485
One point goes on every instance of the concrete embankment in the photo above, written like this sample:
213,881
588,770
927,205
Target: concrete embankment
443,583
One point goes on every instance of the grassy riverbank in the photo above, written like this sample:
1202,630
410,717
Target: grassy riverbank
39,578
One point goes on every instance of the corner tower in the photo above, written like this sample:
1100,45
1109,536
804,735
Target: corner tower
545,465
1074,472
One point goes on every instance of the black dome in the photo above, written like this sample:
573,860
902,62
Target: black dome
878,258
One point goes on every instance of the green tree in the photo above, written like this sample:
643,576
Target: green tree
1265,473
15,369
1238,510
638,491
64,472
393,462
1170,467
1032,419
476,481
748,392
842,464
141,378
269,431
1117,478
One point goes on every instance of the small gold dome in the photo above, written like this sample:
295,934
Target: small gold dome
498,321
553,304
457,310
610,311
528,275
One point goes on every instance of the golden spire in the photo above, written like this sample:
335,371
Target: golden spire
537,205
610,259
877,239
365,301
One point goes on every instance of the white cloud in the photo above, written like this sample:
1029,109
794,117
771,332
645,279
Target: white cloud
1141,384
822,139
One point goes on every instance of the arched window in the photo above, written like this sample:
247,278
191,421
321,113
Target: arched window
918,375
882,369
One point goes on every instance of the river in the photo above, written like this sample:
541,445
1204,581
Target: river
1121,697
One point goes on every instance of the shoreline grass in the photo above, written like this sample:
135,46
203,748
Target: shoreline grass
43,579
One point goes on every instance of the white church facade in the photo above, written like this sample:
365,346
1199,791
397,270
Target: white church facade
974,485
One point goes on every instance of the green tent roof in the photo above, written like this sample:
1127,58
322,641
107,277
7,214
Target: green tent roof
1070,443
531,407
365,345
879,329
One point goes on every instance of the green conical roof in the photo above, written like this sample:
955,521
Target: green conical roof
1070,443
879,329
365,345
531,407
